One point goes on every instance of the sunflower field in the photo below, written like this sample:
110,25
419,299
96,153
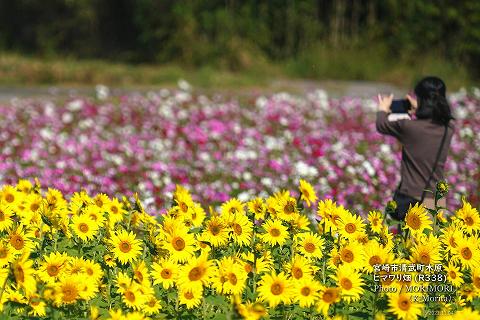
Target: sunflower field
276,257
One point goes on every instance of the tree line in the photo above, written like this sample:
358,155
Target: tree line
232,33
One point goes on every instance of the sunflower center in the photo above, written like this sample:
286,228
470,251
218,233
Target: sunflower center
125,247
329,296
232,278
276,289
83,227
237,228
374,260
309,247
2,216
195,274
183,206
34,207
425,258
215,229
346,283
139,276
178,243
3,253
188,295
305,193
466,253
476,282
305,291
152,303
99,202
468,221
9,198
350,227
297,273
70,293
19,274
89,271
166,274
130,296
289,208
404,303
248,267
93,217
452,274
274,232
52,270
452,242
17,241
347,255
414,222
114,209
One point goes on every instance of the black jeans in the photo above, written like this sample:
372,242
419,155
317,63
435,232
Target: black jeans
403,203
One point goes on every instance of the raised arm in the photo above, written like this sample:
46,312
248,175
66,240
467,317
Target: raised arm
392,128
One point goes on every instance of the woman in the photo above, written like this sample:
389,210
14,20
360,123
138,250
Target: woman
421,138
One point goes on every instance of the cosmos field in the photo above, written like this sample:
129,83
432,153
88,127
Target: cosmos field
173,204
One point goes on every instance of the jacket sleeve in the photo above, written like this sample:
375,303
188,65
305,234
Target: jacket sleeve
392,128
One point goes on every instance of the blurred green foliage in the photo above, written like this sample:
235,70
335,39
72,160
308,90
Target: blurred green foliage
240,34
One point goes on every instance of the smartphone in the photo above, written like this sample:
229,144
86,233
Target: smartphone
400,106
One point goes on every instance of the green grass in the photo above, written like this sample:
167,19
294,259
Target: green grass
319,63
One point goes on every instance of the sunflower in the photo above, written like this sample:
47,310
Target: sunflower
53,267
125,247
198,215
183,200
67,290
275,289
417,219
241,229
6,254
375,253
115,211
87,290
326,297
84,227
196,272
10,196
6,217
250,311
93,270
470,218
133,297
190,297
310,245
141,274
164,273
257,208
350,283
276,233
216,231
350,226
450,236
287,208
230,278
95,214
24,186
180,244
308,193
231,208
37,305
328,211
306,292
264,263
467,253
353,254
454,275
299,268
428,252
19,241
300,223
375,219
152,306
466,314
101,201
404,307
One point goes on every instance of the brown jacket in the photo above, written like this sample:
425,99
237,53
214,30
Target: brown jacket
421,140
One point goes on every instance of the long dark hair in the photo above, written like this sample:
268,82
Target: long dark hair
432,102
